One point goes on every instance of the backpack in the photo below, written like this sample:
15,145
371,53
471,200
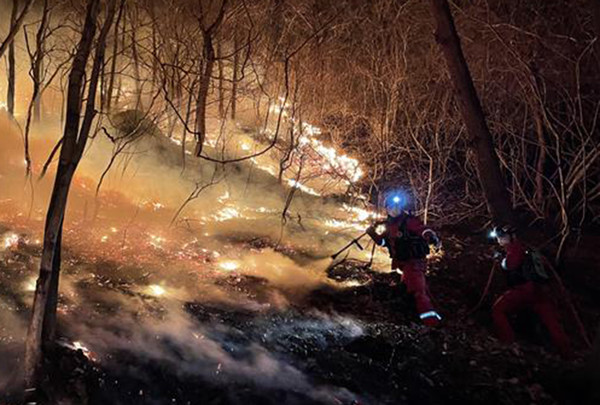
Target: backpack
409,246
534,268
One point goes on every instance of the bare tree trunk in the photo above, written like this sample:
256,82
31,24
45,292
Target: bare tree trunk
200,127
37,102
209,62
49,325
38,65
10,96
595,4
123,47
113,62
188,113
103,87
36,69
221,87
14,28
481,141
136,65
154,47
276,15
76,132
236,68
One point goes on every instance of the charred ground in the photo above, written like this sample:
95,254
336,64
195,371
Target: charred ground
355,344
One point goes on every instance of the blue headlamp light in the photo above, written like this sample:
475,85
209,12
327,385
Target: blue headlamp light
395,202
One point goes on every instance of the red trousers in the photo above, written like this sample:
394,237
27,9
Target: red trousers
413,276
529,296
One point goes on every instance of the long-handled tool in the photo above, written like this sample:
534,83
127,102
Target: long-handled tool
565,295
354,241
485,291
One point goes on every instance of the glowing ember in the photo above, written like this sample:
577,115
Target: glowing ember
224,197
229,265
86,352
104,239
10,240
157,241
325,160
353,283
264,167
30,284
264,210
341,164
360,213
156,290
113,229
156,206
308,190
337,224
226,213
435,254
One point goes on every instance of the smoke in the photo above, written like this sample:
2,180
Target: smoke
166,283
12,336
137,267
219,354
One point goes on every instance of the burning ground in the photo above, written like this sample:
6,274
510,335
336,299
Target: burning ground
223,300
147,282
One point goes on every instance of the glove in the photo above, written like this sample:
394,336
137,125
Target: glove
371,231
498,255
373,234
435,241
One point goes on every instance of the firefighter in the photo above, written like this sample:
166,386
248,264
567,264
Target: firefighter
525,291
407,241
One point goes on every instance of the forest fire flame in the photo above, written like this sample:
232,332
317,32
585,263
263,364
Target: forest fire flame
156,290
10,240
30,284
229,265
187,198
326,158
79,346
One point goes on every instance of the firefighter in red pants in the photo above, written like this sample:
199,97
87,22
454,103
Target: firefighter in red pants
523,293
406,239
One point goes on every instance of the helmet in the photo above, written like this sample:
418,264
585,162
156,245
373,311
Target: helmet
502,230
395,203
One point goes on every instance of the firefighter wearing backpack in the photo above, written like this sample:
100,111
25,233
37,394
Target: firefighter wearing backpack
406,239
526,279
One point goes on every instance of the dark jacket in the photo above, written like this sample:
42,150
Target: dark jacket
393,231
